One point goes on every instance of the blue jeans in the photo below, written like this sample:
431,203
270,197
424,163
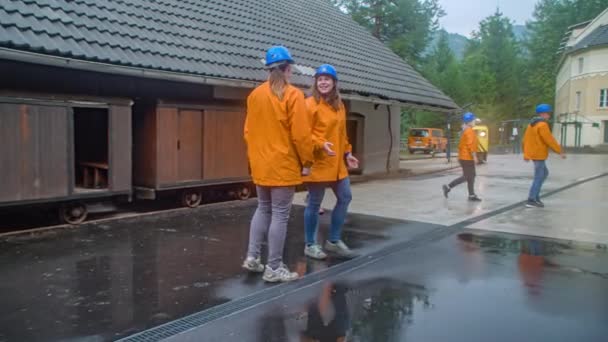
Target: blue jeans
316,192
540,175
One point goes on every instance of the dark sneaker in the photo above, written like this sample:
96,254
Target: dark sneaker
541,203
474,198
446,190
534,204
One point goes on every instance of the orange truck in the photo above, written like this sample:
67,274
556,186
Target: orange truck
427,140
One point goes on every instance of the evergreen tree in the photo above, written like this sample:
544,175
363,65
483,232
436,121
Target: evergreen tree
493,69
406,26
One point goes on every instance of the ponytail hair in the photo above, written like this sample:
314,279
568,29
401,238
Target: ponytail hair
278,80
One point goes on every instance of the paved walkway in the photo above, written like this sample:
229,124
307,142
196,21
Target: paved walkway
503,181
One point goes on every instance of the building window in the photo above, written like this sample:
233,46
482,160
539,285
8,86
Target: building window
604,98
578,101
581,65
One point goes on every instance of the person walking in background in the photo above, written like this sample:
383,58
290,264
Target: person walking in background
537,142
467,157
279,149
332,154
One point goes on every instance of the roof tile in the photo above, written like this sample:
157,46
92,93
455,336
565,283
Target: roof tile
219,38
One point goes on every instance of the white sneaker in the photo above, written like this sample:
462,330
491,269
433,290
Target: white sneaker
280,275
339,248
252,264
315,252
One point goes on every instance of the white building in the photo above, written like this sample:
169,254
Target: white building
582,85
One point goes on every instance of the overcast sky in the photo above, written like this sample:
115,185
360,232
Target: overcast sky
463,16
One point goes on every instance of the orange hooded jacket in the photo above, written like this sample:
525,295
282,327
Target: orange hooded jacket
538,139
328,125
278,136
468,144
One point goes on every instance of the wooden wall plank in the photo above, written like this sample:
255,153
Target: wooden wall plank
53,160
121,148
10,152
28,163
144,147
190,145
166,130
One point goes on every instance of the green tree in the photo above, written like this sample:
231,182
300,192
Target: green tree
546,31
493,69
443,70
406,26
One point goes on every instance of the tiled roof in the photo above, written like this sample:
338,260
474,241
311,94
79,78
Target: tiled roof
214,38
598,37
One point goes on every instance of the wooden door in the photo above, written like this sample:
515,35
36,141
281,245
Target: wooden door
225,151
190,145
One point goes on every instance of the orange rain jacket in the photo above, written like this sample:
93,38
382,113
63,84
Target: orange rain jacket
328,125
468,144
278,136
538,139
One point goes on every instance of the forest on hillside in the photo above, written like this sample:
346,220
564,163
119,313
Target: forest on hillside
502,72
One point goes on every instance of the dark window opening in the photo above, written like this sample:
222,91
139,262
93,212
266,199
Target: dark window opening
354,132
91,148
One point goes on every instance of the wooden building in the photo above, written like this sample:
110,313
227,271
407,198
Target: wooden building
122,99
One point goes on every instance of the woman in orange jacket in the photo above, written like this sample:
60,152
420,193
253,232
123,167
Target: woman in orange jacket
467,157
330,170
279,148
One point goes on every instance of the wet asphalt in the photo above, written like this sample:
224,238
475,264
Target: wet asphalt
471,286
107,280
177,275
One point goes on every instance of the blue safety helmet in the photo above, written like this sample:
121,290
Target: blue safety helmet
278,54
327,69
468,117
543,108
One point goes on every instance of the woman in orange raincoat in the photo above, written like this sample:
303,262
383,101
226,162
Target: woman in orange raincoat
332,149
279,148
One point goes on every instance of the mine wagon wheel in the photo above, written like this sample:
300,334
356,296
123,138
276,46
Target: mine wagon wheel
191,198
73,213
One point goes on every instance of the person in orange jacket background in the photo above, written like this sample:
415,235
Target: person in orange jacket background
467,157
279,147
332,149
537,141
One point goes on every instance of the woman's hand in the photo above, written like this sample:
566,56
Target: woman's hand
327,147
351,161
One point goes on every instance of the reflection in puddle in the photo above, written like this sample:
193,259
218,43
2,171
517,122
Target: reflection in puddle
372,310
393,309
